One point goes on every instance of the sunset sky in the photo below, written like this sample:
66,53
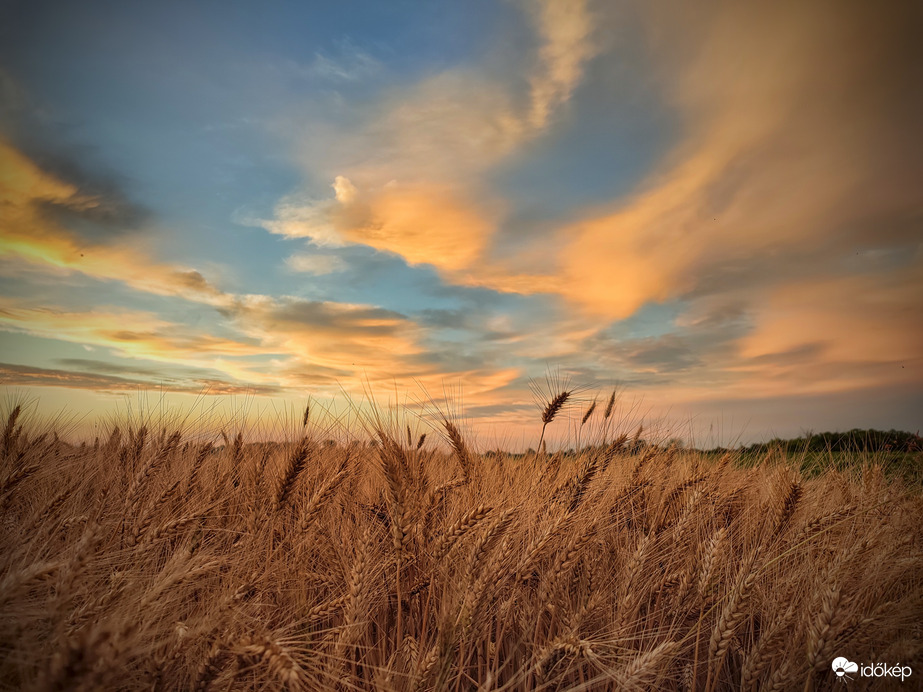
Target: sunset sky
717,206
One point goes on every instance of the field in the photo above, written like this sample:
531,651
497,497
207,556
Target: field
156,559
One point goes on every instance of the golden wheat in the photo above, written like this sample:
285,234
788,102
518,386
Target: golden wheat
153,559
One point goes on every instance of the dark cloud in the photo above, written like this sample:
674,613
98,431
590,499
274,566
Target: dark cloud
762,418
102,367
333,316
312,375
194,281
124,335
803,354
27,376
494,410
100,209
171,371
101,206
668,353
447,319
701,342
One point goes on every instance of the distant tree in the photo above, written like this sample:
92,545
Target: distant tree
855,440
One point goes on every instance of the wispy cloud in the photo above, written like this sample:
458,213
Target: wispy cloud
28,376
132,333
566,30
318,265
347,63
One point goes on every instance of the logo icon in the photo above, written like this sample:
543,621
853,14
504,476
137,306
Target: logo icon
842,666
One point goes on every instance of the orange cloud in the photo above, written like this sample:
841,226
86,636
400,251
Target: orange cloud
344,338
791,151
425,224
432,224
835,334
354,344
411,181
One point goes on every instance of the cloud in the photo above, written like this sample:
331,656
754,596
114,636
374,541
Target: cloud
566,28
836,334
133,333
32,234
799,146
807,336
274,345
425,224
28,376
318,265
666,353
795,116
342,338
347,64
344,191
92,200
409,182
334,343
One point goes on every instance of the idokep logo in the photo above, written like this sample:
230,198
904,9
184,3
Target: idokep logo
843,667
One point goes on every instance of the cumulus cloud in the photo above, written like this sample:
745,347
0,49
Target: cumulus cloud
424,224
344,190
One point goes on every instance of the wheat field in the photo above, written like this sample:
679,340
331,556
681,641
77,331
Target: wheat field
157,559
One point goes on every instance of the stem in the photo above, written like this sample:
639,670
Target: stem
400,607
545,425
809,681
695,659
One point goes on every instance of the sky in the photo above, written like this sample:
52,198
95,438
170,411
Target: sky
715,207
